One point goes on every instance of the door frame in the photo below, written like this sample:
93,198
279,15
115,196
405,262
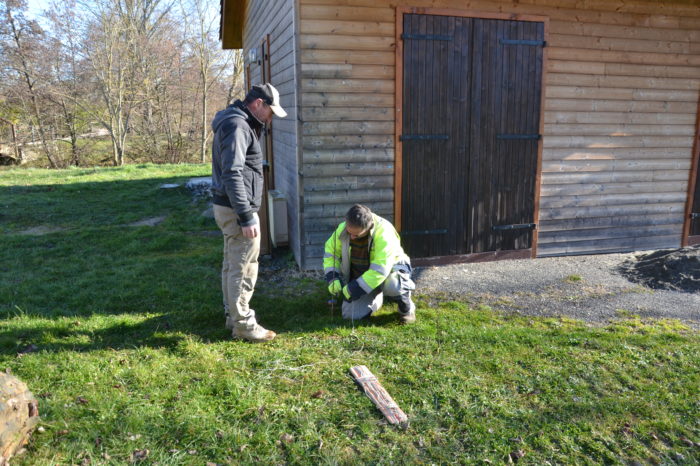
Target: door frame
687,239
398,128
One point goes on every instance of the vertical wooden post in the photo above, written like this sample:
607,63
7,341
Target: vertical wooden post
398,116
692,182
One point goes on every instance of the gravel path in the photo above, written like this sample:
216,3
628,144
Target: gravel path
551,287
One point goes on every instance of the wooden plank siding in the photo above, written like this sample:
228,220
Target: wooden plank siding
620,104
278,19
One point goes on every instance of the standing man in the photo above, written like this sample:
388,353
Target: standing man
237,185
364,261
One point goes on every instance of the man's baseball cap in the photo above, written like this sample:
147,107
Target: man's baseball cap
270,96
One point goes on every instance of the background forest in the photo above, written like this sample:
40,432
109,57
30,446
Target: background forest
110,82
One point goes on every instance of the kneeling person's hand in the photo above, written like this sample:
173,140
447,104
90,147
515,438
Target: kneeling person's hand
346,294
335,287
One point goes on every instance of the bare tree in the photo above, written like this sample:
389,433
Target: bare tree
67,76
212,61
22,49
118,39
236,83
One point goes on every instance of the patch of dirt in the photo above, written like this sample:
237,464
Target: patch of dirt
40,230
280,276
149,222
676,270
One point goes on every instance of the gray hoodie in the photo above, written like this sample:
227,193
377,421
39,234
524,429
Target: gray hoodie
237,164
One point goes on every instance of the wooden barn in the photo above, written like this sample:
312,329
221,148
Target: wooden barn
483,129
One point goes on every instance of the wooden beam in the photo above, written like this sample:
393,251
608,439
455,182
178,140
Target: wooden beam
466,258
540,144
379,396
398,115
232,23
692,180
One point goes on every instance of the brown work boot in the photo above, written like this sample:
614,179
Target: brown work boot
257,334
408,317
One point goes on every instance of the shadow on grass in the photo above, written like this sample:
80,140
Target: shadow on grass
79,205
91,282
305,314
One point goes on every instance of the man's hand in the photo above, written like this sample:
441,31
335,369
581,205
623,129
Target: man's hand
250,231
335,287
346,294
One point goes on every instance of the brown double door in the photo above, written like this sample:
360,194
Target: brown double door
470,133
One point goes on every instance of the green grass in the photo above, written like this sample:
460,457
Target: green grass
130,354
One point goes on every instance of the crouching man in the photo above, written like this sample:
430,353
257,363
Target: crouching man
364,261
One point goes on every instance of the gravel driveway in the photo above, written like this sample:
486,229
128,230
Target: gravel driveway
589,288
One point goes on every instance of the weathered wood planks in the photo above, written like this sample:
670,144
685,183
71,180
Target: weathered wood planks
369,384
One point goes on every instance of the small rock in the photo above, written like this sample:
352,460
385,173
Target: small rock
200,187
169,186
149,222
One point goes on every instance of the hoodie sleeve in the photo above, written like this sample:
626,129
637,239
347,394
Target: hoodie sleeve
233,155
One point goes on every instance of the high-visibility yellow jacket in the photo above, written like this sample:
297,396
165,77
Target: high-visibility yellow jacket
385,251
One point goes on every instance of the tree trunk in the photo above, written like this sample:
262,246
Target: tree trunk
40,127
19,414
203,146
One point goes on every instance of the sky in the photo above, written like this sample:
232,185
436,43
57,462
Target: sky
36,7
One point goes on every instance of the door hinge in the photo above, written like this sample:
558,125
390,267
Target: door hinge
423,232
539,43
518,136
515,226
425,37
423,137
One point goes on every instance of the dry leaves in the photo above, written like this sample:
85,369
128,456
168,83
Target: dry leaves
139,455
516,455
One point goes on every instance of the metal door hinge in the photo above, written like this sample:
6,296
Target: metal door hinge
425,37
539,43
515,226
423,137
423,232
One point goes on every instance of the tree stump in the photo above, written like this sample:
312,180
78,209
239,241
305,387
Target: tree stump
19,414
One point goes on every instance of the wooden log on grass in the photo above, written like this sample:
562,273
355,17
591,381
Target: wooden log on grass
19,414
379,396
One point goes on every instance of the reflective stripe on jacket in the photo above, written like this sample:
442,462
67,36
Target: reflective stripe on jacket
385,251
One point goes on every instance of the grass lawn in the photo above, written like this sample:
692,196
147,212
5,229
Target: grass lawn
118,331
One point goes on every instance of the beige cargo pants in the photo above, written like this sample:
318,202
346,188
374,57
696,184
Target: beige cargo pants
239,271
